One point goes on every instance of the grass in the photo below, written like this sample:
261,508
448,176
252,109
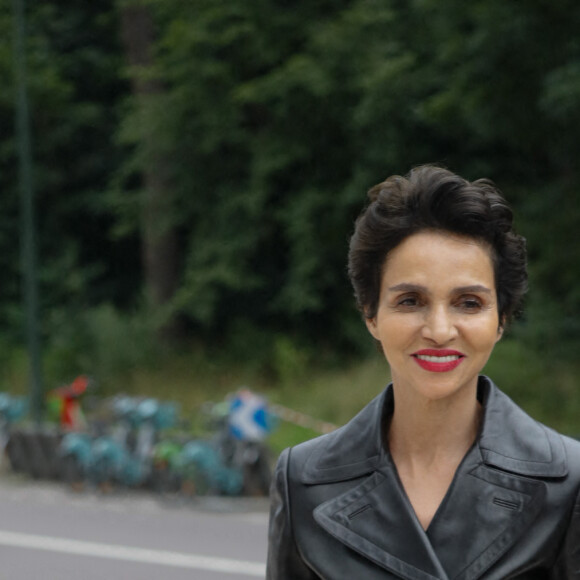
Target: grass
547,389
325,395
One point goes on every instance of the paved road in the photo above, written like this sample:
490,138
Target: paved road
50,533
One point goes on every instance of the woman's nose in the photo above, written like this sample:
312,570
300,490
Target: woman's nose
439,325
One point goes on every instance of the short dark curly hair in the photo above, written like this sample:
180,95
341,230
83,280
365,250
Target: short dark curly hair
434,198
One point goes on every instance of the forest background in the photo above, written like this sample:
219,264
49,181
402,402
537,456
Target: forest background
199,166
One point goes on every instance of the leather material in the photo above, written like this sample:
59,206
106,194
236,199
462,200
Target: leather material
512,510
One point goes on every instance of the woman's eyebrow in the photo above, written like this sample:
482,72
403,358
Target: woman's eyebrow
407,287
473,288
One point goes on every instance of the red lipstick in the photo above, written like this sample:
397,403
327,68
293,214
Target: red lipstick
438,360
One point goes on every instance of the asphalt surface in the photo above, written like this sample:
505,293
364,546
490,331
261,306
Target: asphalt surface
48,532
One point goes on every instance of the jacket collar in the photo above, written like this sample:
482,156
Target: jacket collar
375,519
509,440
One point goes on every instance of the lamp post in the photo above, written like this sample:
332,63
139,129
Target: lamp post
28,241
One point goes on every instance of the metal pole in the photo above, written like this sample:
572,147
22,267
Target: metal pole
28,242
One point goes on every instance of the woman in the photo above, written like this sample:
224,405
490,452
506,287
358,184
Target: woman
442,475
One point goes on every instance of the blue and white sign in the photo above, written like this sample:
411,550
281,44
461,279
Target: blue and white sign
249,418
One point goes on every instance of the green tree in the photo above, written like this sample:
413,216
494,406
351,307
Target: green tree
74,84
219,167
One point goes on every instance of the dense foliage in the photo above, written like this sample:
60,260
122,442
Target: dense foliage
261,128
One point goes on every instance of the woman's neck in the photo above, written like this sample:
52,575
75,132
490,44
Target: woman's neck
427,431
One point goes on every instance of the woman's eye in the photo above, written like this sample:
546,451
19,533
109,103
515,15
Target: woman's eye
470,304
408,302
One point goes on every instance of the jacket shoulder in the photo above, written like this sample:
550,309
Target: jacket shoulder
572,448
515,442
349,452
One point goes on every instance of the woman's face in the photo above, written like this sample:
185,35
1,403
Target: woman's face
437,318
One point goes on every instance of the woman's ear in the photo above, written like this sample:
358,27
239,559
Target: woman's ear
500,329
372,327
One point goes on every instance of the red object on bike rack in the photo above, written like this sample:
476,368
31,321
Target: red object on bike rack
71,416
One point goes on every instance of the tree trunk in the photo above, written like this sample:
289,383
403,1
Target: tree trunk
158,235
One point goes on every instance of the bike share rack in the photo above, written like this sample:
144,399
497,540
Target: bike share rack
131,449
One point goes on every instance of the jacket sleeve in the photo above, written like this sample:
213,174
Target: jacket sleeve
284,560
568,564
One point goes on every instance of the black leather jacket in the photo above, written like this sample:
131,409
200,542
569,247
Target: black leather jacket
512,510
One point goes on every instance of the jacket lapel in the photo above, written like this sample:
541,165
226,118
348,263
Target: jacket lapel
484,515
376,520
